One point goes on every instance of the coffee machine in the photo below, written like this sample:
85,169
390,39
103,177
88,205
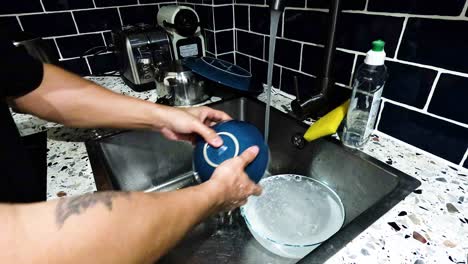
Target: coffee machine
183,27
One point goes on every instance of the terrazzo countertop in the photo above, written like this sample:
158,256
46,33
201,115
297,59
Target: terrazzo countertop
429,226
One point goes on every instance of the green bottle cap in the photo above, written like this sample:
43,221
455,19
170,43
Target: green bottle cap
378,45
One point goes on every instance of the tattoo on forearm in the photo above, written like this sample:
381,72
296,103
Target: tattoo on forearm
67,207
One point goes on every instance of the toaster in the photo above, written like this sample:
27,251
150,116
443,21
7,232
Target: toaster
140,49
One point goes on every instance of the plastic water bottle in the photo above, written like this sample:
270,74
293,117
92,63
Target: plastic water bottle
368,85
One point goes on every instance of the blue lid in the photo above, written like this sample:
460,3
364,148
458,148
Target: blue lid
221,71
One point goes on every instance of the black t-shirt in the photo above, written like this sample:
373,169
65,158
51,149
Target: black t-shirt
19,75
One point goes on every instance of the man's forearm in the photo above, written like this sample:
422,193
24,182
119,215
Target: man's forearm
105,227
69,99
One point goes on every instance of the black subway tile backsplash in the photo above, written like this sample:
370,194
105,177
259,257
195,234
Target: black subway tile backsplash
9,25
296,3
249,43
307,86
450,98
56,5
46,25
218,2
357,31
295,22
423,7
103,63
139,14
223,17
224,41
436,42
243,61
210,41
253,2
441,138
77,66
407,84
20,6
260,20
104,3
287,53
346,5
312,63
206,16
259,72
242,17
51,47
466,164
76,46
227,57
97,20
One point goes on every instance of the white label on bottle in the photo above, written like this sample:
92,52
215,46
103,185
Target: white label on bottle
373,112
188,50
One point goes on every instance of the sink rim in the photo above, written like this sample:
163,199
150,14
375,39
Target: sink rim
405,185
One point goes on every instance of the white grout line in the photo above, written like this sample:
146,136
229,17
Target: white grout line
248,17
75,35
431,93
458,18
463,12
86,56
89,67
225,53
382,105
353,69
42,5
465,157
301,57
120,16
401,37
104,39
19,22
94,4
282,23
214,34
74,22
234,36
409,107
58,48
216,31
280,76
367,5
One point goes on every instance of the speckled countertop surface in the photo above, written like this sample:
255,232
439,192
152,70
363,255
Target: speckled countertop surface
429,226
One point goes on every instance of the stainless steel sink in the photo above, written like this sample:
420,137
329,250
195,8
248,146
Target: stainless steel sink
145,161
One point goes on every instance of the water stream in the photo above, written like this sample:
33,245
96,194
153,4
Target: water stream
275,16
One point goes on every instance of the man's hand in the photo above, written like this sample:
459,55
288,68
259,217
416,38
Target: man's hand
185,123
231,180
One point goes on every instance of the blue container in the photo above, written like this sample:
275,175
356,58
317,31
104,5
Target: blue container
237,137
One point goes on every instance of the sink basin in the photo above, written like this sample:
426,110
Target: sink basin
145,161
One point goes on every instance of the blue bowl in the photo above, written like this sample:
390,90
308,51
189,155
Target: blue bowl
237,137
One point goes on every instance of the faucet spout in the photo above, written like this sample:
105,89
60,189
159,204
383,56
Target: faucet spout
277,5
